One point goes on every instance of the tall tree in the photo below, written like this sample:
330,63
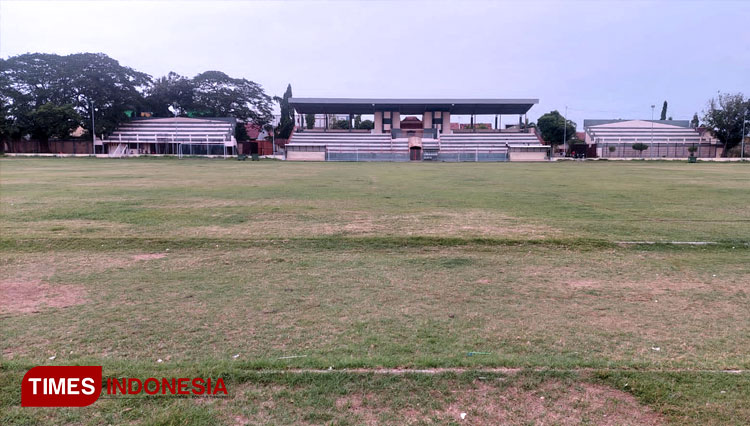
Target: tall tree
664,111
725,116
286,121
52,121
240,133
310,121
81,80
97,81
366,125
554,127
171,95
218,95
694,122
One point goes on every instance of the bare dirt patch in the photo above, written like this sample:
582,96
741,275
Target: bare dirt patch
491,403
149,256
23,297
356,406
551,403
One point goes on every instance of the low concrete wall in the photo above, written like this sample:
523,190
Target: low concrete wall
51,147
306,156
527,156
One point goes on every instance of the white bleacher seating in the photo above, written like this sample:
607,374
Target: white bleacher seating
175,131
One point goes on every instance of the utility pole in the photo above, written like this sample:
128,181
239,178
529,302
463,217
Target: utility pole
742,141
651,145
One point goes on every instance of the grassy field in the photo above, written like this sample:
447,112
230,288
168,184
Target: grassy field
514,277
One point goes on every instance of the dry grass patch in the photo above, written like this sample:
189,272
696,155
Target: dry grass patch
358,405
331,221
64,228
553,402
24,297
512,400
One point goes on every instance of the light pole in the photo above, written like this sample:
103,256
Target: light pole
651,145
565,126
93,130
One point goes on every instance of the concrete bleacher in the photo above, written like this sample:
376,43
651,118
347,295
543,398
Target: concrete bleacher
164,135
346,146
353,146
486,146
347,141
486,140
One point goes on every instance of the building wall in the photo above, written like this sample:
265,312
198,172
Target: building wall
262,147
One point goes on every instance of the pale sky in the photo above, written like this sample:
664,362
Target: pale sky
603,59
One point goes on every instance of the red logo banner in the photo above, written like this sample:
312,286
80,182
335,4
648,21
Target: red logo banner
61,386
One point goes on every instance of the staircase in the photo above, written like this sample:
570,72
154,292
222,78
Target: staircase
120,151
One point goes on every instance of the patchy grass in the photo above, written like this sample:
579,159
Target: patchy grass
121,263
525,397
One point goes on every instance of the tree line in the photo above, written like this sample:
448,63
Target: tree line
47,95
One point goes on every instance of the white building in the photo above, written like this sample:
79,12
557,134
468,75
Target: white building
664,138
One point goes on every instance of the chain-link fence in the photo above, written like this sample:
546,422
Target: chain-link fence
657,150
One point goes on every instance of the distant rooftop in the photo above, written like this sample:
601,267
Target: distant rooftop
411,106
177,120
680,123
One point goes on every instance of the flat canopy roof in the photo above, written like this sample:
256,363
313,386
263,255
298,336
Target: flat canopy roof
411,106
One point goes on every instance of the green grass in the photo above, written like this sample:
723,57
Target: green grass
374,266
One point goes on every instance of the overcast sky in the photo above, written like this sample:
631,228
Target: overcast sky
602,59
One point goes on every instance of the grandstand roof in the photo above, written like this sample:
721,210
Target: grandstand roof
181,120
679,123
411,106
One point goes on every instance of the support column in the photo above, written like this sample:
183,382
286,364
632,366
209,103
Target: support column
395,120
447,123
427,120
378,122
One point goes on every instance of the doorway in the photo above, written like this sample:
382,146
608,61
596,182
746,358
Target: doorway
415,153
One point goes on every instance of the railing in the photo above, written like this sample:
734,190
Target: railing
119,151
478,130
429,133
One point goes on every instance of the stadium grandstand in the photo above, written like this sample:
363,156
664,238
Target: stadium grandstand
173,136
664,138
429,137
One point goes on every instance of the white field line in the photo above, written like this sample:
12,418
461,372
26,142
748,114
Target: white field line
689,243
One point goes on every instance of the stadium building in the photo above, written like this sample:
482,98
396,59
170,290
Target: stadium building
414,130
664,138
